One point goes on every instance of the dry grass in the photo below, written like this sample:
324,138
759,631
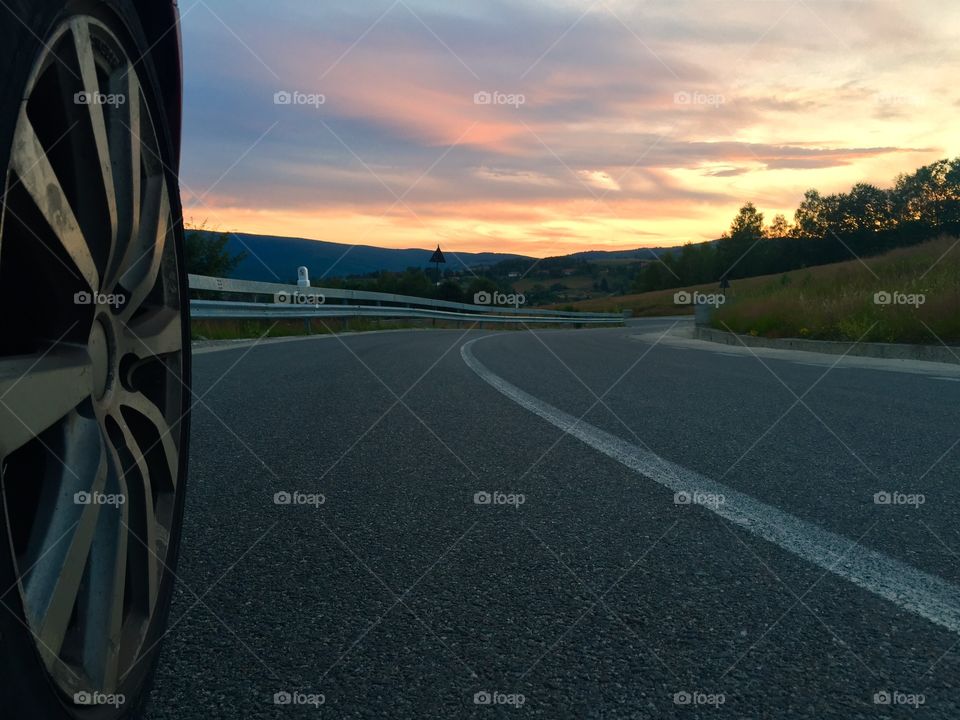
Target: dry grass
837,302
831,302
239,329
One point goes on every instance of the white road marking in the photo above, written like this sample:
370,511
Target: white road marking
926,595
946,379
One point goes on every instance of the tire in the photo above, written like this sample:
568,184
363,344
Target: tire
94,361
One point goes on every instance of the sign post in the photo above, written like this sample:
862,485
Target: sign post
438,258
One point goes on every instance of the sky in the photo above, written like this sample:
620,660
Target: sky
544,127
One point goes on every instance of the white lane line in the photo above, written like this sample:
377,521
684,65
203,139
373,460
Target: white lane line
946,379
926,595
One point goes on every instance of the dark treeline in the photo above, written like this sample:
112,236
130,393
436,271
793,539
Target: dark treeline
419,283
865,221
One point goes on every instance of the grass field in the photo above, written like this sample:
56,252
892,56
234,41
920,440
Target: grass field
910,295
239,329
246,329
834,302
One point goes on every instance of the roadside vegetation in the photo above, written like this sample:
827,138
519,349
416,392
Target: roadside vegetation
206,252
202,330
247,329
909,295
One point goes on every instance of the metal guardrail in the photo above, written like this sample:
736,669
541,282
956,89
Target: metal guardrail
386,305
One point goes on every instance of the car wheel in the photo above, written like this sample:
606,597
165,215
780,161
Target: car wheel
94,361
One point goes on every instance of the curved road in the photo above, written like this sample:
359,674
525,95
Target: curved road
587,587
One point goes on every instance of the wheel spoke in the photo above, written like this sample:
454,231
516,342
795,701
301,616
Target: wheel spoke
115,616
31,165
91,85
109,575
142,262
54,618
126,144
147,535
154,334
37,391
166,435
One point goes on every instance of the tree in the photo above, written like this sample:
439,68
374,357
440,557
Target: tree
206,253
734,250
931,195
450,290
779,227
809,221
748,224
865,208
480,284
416,283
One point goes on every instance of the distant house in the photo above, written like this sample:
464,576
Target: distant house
514,274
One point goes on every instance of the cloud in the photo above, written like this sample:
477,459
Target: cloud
777,99
599,179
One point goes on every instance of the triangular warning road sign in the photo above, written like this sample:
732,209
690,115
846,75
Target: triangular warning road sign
438,256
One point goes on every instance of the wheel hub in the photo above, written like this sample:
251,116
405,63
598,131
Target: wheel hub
102,348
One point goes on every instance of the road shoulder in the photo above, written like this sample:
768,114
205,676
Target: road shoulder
685,337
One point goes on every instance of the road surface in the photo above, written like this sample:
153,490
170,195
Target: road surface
609,523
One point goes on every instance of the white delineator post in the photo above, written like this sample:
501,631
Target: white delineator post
303,281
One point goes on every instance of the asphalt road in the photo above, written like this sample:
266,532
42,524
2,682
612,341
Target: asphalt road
785,590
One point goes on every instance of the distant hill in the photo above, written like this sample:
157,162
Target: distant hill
635,254
270,258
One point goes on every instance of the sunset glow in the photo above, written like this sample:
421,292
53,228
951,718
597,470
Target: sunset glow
548,127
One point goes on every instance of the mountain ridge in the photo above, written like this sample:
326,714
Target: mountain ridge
276,258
